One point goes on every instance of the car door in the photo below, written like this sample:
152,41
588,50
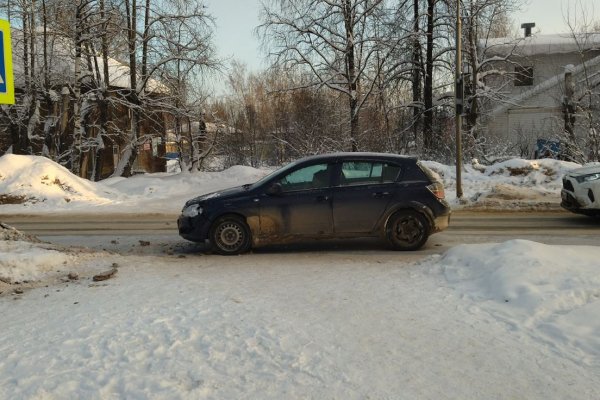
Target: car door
364,190
303,205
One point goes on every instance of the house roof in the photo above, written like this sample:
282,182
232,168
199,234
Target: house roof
542,44
61,54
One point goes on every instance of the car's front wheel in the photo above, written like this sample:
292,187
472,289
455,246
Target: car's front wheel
230,235
407,230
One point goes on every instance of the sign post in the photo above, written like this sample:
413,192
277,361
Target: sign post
458,101
7,86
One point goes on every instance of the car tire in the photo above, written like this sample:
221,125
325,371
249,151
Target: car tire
407,230
230,235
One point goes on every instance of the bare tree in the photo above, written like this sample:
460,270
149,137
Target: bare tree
341,43
188,41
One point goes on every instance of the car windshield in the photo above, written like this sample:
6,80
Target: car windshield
272,174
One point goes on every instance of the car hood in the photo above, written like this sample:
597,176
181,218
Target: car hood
220,194
590,169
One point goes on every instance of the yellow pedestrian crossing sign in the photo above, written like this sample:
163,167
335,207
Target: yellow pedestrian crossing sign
7,86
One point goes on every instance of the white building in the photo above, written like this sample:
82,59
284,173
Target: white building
533,90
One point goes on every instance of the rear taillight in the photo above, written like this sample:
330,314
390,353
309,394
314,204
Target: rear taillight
437,189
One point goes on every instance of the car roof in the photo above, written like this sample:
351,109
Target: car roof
357,155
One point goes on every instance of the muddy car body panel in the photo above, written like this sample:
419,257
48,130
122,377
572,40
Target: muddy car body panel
335,195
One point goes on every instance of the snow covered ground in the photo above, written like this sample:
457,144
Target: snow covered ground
516,319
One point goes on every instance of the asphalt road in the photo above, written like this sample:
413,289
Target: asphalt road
95,230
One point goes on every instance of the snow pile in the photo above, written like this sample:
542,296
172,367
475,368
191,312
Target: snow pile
7,232
168,192
551,291
39,184
514,183
31,180
25,261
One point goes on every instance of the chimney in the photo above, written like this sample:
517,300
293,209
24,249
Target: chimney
527,26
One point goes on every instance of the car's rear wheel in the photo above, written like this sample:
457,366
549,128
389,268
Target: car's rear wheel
230,235
407,230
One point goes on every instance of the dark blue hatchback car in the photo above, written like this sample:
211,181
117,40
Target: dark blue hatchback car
339,195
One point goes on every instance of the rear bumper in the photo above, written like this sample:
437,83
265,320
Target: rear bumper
441,223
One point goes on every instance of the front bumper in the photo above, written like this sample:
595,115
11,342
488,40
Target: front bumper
579,204
194,229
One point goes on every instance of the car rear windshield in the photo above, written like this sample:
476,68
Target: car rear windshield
432,175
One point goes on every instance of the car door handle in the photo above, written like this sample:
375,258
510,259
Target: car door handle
322,198
381,194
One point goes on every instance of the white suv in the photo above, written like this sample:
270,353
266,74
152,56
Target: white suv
581,190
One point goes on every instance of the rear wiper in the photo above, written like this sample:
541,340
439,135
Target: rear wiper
247,186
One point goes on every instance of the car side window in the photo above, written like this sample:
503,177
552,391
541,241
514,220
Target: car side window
365,173
311,177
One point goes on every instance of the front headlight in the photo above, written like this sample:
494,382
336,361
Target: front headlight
587,178
192,210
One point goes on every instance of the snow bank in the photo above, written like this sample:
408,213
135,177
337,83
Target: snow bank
551,291
168,192
37,184
25,261
7,232
33,180
515,183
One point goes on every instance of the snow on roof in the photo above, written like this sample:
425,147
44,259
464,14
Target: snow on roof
61,53
543,44
118,74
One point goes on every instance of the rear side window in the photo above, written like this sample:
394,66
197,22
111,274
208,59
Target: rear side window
366,172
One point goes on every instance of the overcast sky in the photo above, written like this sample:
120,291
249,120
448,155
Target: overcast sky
549,15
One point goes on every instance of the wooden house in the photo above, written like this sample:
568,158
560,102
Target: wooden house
43,119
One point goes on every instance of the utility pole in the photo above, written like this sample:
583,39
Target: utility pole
458,93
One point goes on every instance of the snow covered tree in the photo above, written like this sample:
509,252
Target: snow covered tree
72,99
159,52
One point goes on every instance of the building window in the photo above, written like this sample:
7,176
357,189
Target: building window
523,76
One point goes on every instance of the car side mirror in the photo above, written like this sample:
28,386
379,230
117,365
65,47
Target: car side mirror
275,189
